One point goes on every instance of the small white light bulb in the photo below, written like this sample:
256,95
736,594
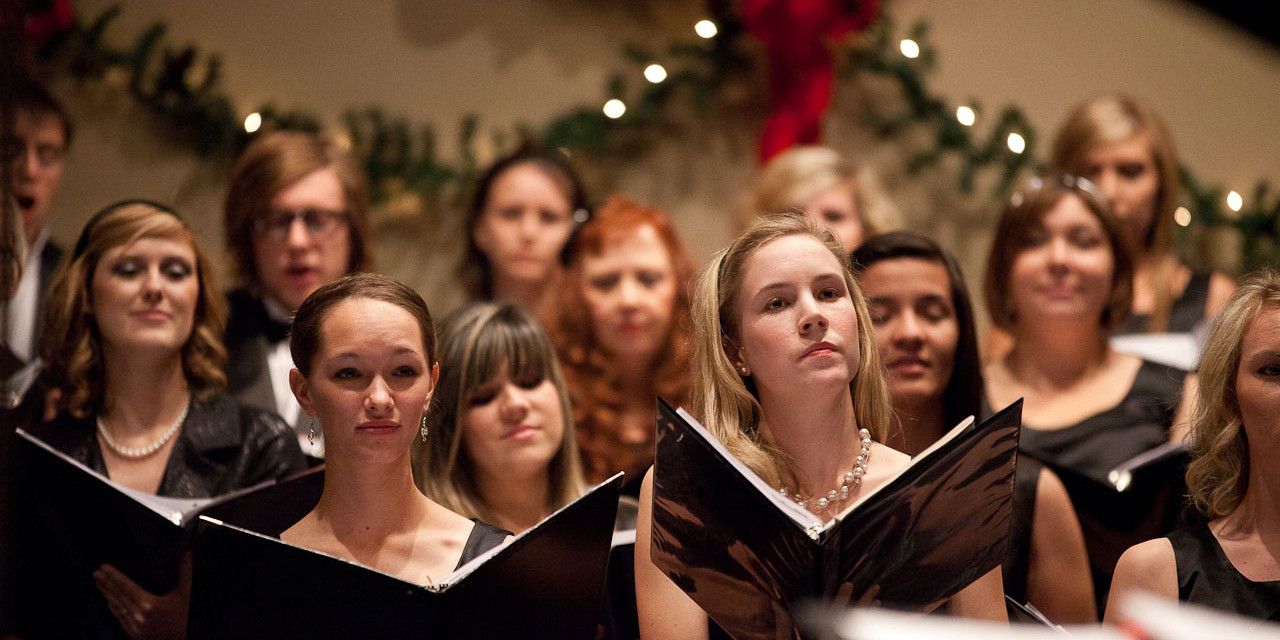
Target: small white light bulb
1182,216
655,73
706,29
909,48
253,122
966,116
614,108
1017,143
1235,201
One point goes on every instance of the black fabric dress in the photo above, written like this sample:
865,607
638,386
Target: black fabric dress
1084,453
1206,577
483,537
1187,311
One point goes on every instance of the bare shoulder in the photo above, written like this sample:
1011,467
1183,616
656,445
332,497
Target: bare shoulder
1221,286
1149,566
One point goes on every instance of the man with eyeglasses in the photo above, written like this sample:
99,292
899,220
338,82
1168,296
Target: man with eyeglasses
34,149
296,218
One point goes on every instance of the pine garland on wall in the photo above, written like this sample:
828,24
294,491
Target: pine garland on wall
181,88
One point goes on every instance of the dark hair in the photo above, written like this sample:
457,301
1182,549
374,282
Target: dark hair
964,391
25,94
475,271
270,165
71,342
1025,211
304,336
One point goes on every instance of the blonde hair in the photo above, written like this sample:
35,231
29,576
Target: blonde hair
71,343
726,402
477,342
800,173
1115,118
1219,471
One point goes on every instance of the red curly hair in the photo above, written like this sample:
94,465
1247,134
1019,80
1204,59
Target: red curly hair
594,386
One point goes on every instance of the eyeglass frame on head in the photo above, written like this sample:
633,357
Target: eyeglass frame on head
318,222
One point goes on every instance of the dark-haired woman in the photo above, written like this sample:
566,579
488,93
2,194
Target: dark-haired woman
924,328
1059,281
365,352
520,218
133,342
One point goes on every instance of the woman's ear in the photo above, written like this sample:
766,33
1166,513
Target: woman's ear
301,391
435,379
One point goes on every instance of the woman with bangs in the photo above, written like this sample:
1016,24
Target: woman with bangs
1231,561
622,333
1059,282
500,444
788,378
133,341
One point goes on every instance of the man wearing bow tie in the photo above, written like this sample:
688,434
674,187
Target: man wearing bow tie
296,218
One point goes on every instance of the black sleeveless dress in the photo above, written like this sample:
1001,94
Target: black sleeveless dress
1187,311
1084,453
1207,577
483,537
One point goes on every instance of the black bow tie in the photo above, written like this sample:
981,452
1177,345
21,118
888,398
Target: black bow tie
275,330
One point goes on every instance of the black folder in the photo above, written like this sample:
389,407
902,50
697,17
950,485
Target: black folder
749,556
73,520
546,582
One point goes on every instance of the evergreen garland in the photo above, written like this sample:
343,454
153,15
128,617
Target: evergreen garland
182,89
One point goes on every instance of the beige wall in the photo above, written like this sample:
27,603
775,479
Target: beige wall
516,61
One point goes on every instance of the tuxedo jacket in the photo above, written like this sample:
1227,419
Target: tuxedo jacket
248,340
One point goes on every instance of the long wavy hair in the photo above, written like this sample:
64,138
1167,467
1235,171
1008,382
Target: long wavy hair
726,402
477,343
1219,471
963,394
1115,118
594,384
72,344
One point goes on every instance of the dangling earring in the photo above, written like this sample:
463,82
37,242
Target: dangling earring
423,428
311,433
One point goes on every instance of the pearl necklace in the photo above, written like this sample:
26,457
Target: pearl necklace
852,479
137,453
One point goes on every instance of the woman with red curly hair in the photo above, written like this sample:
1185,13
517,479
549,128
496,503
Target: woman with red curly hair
622,331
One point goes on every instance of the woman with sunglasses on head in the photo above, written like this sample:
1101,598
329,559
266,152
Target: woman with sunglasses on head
622,332
924,328
1123,146
500,443
133,346
1058,282
1231,561
524,208
365,348
788,378
296,217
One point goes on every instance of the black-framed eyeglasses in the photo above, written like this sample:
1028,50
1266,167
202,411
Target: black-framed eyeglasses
318,222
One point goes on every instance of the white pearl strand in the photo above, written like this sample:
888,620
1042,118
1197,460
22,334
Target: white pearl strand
137,453
852,479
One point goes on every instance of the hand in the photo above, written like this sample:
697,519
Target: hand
143,615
